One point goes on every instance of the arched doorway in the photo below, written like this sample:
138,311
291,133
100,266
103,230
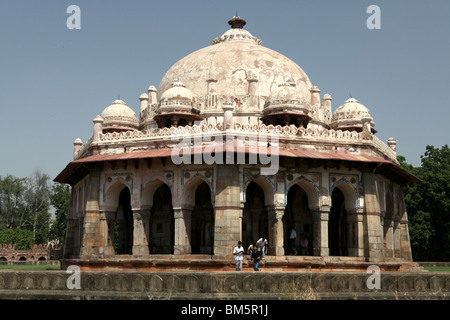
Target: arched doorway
202,226
255,218
298,216
162,222
123,227
337,225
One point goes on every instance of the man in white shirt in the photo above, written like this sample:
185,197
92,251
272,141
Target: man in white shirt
262,247
238,256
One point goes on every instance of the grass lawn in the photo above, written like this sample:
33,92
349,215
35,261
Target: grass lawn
30,267
440,269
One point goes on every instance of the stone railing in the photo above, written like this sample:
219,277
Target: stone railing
84,148
385,149
284,131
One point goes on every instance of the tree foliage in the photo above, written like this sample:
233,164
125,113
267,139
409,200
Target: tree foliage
25,209
60,201
428,205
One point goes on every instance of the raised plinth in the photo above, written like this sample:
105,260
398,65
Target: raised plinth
214,263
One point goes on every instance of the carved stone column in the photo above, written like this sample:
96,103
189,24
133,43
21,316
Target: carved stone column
355,221
374,232
183,219
141,232
107,220
388,230
276,234
320,241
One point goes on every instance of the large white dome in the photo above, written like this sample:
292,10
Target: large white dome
233,59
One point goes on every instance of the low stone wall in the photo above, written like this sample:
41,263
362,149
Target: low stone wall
229,285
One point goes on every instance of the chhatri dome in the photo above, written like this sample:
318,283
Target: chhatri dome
179,186
119,117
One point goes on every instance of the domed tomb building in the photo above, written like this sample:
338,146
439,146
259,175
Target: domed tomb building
236,143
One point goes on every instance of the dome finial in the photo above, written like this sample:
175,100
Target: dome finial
237,22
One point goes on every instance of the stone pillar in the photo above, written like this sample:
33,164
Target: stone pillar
355,239
253,100
388,230
76,147
320,241
183,220
396,238
276,234
90,237
107,220
98,128
315,95
227,210
144,102
374,232
141,232
228,121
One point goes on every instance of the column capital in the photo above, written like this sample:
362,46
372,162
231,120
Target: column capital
141,214
182,213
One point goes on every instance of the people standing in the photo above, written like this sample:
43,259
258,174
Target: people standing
292,237
238,255
256,259
261,244
305,246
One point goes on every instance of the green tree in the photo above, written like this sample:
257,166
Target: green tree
428,205
60,201
22,238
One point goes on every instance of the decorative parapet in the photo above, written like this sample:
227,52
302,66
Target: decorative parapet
84,148
330,136
384,148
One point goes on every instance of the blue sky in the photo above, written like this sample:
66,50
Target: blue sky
54,81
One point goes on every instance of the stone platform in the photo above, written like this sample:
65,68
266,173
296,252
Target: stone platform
214,263
220,285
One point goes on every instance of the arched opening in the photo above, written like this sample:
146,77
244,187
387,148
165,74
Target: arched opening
3,259
255,217
202,226
123,227
22,258
337,225
42,259
162,222
298,216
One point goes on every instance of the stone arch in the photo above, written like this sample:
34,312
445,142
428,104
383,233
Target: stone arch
198,196
266,185
3,259
22,258
148,192
112,193
298,216
42,258
338,228
349,192
124,223
311,190
190,188
161,220
255,219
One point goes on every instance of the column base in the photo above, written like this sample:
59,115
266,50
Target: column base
179,249
140,250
